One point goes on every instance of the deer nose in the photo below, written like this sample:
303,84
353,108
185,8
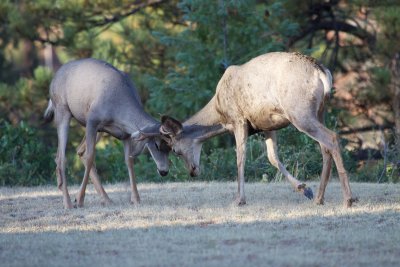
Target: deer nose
194,171
163,173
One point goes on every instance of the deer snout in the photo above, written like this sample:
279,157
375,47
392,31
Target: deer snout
194,171
162,173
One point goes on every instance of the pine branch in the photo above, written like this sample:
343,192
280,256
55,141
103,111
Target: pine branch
366,129
340,26
138,5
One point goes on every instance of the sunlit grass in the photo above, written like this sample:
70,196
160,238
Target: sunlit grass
199,224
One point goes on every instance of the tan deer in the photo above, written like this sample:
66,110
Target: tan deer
265,94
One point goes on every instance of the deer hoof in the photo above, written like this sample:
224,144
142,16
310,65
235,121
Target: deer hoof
319,201
308,193
78,204
240,202
67,202
68,206
135,201
350,202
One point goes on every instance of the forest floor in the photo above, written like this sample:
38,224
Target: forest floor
198,224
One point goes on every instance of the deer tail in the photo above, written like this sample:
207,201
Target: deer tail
49,113
327,81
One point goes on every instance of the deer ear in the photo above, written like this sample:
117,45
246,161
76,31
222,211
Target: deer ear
170,126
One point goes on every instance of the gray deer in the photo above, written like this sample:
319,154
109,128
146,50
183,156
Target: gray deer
103,99
265,94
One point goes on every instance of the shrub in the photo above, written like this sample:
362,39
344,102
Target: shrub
24,159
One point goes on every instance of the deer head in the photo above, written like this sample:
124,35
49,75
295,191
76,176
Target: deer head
183,141
157,146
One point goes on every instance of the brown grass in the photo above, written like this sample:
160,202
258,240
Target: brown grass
197,224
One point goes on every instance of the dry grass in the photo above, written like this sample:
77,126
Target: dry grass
196,224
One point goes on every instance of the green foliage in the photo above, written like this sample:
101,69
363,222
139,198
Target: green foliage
24,159
220,163
390,34
371,171
379,91
110,162
27,98
391,171
219,34
175,52
393,166
299,153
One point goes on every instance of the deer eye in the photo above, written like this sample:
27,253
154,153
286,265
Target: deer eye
155,143
176,152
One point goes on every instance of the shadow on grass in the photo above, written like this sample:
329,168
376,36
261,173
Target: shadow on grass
369,239
197,224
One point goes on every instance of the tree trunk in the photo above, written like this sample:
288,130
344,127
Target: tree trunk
50,58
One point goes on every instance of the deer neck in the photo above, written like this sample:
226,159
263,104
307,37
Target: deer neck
134,118
207,116
206,123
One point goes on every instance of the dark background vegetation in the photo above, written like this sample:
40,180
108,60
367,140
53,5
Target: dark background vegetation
175,52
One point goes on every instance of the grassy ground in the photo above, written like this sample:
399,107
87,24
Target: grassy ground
197,224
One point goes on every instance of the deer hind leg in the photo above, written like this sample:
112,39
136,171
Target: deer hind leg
62,120
93,172
326,165
326,173
135,199
330,142
272,153
241,133
91,132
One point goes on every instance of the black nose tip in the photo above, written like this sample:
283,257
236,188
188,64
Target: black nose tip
193,172
163,173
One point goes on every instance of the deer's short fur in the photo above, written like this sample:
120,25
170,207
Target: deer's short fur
102,99
265,94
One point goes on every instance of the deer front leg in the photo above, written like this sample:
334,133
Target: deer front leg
272,152
241,133
93,172
135,199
